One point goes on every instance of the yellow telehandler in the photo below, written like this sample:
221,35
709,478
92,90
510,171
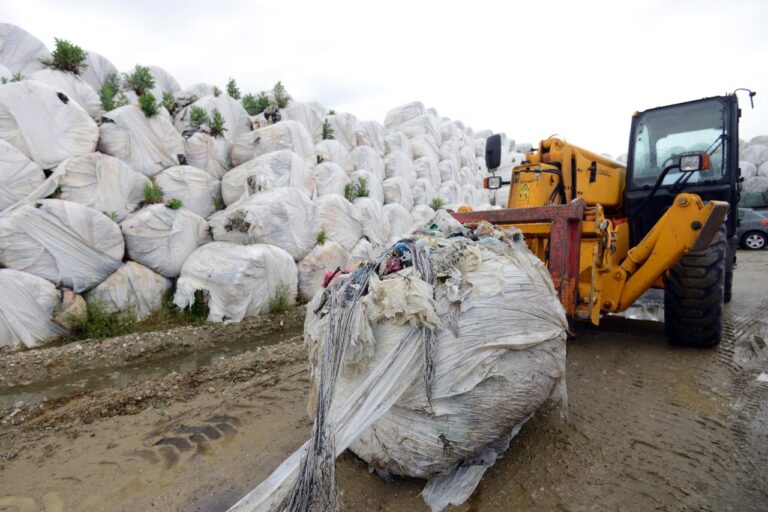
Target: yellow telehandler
609,232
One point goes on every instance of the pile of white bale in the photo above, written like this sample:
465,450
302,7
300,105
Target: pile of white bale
264,207
753,161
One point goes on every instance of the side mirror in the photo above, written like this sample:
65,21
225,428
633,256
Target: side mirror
492,182
493,151
694,162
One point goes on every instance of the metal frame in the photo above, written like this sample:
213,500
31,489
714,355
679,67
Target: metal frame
564,240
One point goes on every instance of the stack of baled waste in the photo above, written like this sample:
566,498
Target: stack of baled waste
425,362
753,161
118,209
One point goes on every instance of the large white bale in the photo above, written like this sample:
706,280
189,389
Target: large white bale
428,168
424,125
403,113
192,93
396,141
27,308
422,216
20,51
73,86
423,192
366,158
98,70
282,168
424,146
61,241
132,290
329,178
195,188
162,238
448,170
334,151
759,139
501,196
763,169
237,280
397,164
397,190
364,250
5,73
399,222
344,126
370,213
375,188
371,133
310,115
44,123
149,145
236,119
450,192
103,183
164,82
208,153
283,135
325,257
284,217
337,218
748,169
19,176
468,158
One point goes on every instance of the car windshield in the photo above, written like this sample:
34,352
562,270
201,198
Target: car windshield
661,136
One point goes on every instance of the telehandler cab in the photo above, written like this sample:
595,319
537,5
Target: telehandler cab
609,232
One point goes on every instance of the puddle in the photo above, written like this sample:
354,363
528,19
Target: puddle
91,380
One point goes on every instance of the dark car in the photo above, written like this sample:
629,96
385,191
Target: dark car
753,229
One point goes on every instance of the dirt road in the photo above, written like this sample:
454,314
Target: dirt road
192,419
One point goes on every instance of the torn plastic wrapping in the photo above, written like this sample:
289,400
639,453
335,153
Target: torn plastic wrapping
195,188
133,290
208,153
283,135
323,258
73,86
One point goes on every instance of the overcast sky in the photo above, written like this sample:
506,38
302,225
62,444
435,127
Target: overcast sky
530,69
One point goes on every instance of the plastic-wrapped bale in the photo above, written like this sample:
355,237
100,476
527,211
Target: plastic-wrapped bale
366,158
97,71
103,183
748,169
325,257
334,151
20,51
373,184
237,280
44,123
284,217
19,176
423,192
403,113
397,164
424,146
236,119
329,178
449,131
763,169
283,135
396,141
5,73
370,214
399,222
424,125
427,167
479,145
501,196
289,166
337,218
371,133
27,307
456,343
450,153
468,158
63,242
363,250
164,82
450,192
310,114
397,190
344,126
162,238
132,290
77,89
755,153
448,171
192,93
422,216
266,173
149,145
195,188
208,152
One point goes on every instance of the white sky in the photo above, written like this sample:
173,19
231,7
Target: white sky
576,68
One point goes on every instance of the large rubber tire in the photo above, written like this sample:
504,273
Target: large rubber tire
730,264
693,296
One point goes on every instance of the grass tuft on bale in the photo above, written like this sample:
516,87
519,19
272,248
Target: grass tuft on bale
148,105
437,204
152,194
110,94
140,80
233,91
216,124
174,204
67,57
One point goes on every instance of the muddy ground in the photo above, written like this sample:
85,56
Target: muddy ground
193,418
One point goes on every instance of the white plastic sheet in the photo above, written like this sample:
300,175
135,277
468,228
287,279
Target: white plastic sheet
396,141
283,135
422,216
284,217
366,158
164,82
27,306
236,119
334,151
329,178
162,238
423,192
424,125
397,190
103,183
371,133
19,175
73,86
208,153
344,126
20,51
312,268
428,168
310,115
277,169
397,164
193,93
195,188
61,241
98,70
237,280
448,171
44,123
149,145
338,219
375,188
450,192
132,290
370,213
403,113
398,221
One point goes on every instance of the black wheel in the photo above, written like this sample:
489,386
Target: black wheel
730,263
693,296
753,240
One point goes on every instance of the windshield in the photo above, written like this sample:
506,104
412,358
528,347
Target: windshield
663,135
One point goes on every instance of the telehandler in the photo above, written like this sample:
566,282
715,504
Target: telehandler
609,232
